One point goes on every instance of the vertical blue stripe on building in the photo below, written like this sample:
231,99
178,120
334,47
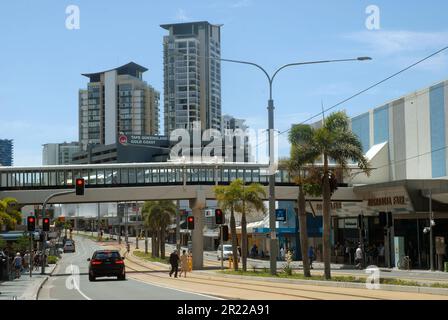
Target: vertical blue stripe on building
381,125
361,127
438,143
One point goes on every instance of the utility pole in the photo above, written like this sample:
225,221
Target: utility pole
431,235
222,247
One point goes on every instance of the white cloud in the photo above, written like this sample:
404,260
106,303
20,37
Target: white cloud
387,43
241,4
181,15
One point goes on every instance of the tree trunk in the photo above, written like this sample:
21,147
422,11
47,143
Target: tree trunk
234,239
303,232
244,240
162,243
146,241
326,211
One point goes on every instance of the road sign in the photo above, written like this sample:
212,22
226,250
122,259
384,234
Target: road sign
280,214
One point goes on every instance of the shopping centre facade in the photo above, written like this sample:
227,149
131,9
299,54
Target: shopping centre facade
405,141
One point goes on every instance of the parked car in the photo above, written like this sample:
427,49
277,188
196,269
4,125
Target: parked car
69,246
228,252
106,263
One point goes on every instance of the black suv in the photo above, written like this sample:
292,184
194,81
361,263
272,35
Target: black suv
106,263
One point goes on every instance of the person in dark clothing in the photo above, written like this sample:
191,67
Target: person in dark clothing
174,261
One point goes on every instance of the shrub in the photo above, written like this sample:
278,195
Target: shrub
52,259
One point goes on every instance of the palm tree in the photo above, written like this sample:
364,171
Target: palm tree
334,140
301,156
228,199
251,201
157,216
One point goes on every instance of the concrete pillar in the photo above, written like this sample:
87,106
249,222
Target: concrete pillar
197,206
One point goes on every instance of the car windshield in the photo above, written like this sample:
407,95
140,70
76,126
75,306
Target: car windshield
103,255
227,248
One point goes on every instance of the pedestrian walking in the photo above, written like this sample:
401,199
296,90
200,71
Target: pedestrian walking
26,260
358,257
184,264
174,261
17,263
282,253
311,256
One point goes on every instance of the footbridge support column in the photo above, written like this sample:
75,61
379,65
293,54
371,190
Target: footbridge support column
197,206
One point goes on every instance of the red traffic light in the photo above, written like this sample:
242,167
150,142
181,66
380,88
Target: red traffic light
31,223
190,223
46,224
219,217
80,186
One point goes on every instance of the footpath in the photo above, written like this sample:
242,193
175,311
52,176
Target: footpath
25,287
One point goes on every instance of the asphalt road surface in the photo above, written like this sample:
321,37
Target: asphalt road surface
70,282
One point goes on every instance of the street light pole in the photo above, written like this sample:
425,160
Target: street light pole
431,235
272,168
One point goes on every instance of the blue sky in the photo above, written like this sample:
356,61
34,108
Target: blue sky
41,61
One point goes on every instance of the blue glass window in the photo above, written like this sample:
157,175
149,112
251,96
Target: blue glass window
361,127
381,125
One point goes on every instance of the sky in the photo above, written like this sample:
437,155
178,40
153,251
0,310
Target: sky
41,61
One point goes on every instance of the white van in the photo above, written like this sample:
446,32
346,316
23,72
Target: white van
228,252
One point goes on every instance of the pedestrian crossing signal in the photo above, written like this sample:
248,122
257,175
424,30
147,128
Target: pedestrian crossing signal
190,223
80,187
31,223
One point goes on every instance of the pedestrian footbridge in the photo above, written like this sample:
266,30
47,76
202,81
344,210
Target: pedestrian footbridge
141,181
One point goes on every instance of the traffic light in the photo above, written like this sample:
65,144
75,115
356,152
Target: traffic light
190,223
219,217
31,223
225,233
46,224
80,187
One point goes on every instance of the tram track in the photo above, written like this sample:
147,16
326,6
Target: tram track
251,287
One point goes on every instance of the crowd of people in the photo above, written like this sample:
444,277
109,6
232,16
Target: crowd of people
20,263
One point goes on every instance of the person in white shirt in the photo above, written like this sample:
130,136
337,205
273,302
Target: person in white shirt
358,257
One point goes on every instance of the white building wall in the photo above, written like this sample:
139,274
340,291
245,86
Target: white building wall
412,140
423,140
110,96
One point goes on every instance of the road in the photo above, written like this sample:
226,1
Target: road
61,286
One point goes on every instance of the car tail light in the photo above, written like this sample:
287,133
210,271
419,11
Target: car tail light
96,262
119,262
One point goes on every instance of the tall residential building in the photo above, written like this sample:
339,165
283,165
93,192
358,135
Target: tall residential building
234,124
117,101
192,75
6,148
59,153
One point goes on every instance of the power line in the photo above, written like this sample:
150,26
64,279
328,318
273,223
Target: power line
365,90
